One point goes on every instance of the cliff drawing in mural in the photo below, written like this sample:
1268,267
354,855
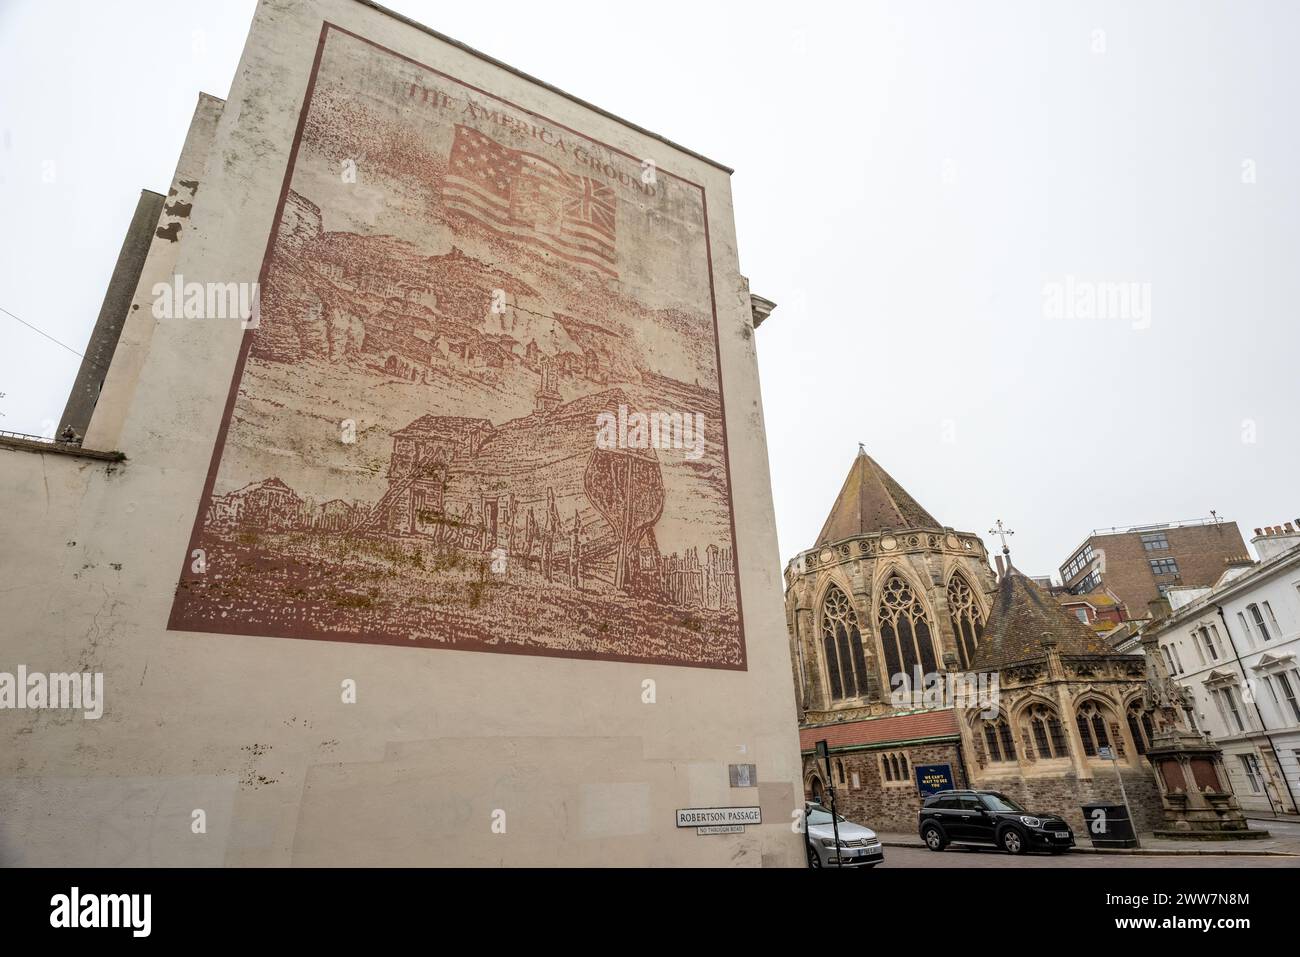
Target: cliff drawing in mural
456,293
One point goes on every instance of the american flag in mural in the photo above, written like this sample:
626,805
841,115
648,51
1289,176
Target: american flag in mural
532,200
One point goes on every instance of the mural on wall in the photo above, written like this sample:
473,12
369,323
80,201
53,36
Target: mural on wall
481,407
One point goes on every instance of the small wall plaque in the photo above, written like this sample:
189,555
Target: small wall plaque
743,775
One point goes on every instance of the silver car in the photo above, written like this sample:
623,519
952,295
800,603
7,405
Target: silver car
859,846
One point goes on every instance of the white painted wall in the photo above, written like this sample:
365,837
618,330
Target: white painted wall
253,730
1256,674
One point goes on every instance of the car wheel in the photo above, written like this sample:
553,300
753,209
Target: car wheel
934,839
1013,841
814,859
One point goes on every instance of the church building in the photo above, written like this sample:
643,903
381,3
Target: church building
921,669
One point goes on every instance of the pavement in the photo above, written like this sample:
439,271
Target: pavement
1283,841
990,858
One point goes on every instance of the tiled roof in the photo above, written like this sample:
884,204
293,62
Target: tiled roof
1022,613
870,501
1097,599
903,727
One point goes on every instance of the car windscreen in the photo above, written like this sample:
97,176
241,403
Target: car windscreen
1000,802
819,815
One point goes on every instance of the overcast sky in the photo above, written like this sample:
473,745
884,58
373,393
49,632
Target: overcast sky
916,185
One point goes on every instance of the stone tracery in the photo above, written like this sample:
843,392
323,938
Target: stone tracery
846,667
967,622
905,634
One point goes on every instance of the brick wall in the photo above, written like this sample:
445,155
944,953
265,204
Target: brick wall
1065,794
887,806
891,806
1199,550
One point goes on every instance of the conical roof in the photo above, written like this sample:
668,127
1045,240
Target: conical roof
1022,612
871,501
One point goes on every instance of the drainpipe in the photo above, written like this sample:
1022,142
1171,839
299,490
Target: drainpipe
1259,714
961,762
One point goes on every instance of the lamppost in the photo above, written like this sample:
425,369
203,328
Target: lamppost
824,752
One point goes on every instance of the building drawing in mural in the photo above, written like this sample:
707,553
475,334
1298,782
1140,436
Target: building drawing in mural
456,291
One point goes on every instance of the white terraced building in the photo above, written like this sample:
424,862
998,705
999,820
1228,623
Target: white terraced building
1233,648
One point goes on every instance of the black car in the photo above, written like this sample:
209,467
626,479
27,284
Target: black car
987,817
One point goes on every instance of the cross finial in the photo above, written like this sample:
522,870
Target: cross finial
1001,531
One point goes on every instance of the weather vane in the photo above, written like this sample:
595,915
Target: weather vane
1001,531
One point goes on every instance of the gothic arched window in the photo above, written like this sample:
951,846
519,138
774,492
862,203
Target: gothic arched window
999,741
904,631
894,766
846,667
1046,731
1139,726
967,623
1092,728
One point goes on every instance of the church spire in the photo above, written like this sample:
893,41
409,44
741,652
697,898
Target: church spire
871,500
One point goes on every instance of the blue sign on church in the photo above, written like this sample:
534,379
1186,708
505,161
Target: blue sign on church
933,777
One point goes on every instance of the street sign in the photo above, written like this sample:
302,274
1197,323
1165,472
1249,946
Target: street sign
1128,838
716,816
